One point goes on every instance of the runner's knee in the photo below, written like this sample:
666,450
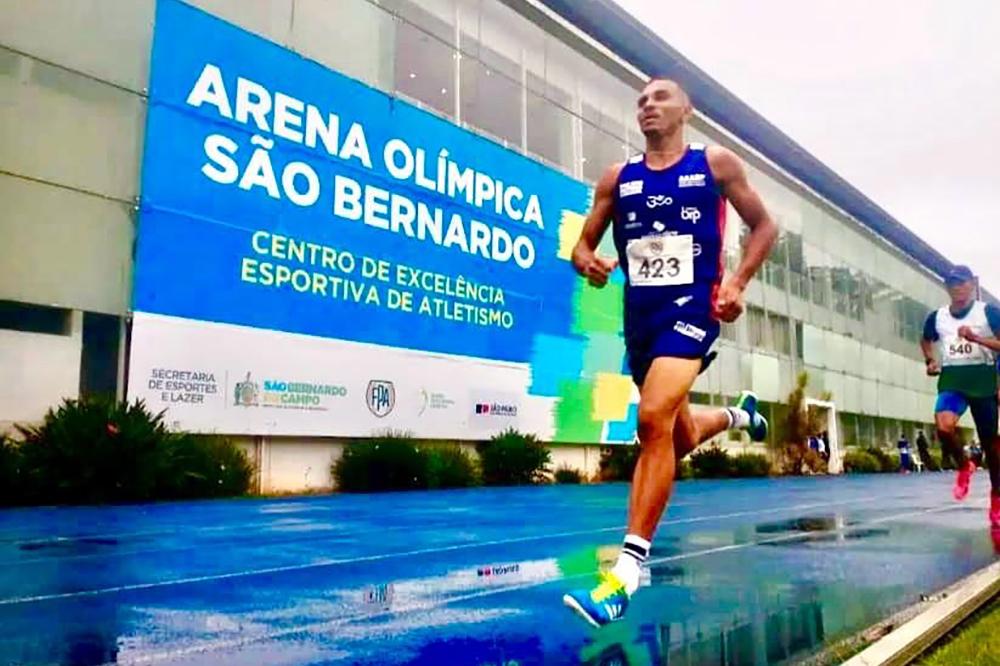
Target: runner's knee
655,421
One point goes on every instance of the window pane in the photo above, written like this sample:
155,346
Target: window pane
756,323
780,335
491,101
818,270
856,310
425,69
353,37
600,150
840,280
506,33
436,17
550,129
99,357
604,122
34,318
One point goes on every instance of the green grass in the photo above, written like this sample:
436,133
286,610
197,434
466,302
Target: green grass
976,643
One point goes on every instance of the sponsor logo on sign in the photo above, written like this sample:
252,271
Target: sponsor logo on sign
380,397
380,595
691,180
498,569
433,400
657,200
246,393
630,188
659,226
284,394
496,409
690,331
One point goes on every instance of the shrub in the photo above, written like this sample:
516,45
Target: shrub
618,462
450,467
100,450
10,472
391,461
513,458
568,475
206,466
683,470
710,463
861,462
937,462
946,462
750,465
886,461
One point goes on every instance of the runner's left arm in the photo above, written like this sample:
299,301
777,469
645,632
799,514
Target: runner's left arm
731,176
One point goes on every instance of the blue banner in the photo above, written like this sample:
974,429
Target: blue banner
279,194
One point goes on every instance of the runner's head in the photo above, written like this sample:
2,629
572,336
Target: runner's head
961,284
663,108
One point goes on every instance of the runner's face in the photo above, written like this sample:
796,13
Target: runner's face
662,108
961,294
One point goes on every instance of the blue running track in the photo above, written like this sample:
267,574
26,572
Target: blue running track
748,572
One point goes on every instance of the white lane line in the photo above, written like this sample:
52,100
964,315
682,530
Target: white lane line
317,564
437,603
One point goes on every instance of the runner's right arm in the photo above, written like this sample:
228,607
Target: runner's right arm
585,258
927,344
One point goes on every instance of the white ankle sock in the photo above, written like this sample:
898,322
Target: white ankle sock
738,418
627,569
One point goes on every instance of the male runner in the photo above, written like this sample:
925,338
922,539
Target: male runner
965,335
667,207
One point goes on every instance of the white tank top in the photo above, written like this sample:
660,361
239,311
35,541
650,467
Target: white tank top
957,351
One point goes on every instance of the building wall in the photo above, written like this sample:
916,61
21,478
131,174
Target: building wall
834,300
37,370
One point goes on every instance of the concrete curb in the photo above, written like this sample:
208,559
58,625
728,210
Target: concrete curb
912,639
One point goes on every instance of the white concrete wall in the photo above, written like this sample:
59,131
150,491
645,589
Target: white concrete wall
37,371
295,466
286,465
584,459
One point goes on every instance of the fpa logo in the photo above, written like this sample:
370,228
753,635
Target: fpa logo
380,397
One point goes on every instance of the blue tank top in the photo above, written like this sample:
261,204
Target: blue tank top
668,229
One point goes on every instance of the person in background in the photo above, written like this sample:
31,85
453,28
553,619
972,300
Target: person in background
905,461
923,450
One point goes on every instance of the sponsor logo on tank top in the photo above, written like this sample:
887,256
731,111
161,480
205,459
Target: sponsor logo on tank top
691,180
630,188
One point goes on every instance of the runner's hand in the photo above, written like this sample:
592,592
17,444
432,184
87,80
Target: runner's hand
966,333
728,302
933,367
597,269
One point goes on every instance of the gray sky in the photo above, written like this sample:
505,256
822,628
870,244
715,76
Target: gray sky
901,98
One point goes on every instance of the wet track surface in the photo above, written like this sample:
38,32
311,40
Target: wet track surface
742,572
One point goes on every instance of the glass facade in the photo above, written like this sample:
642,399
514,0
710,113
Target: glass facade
833,299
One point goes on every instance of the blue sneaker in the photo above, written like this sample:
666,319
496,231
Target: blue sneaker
758,424
602,605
